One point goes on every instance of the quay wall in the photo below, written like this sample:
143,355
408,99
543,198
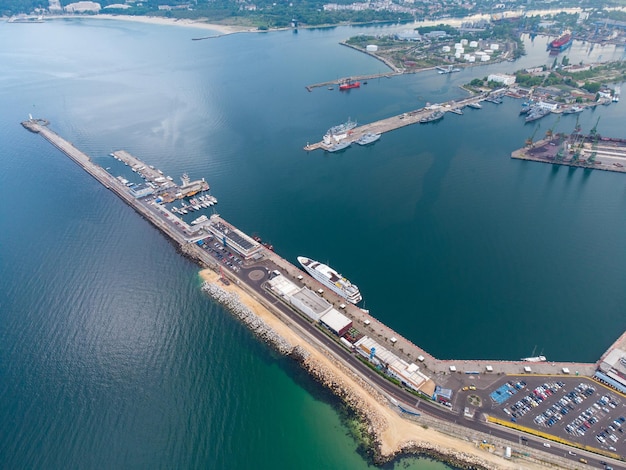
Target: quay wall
111,183
331,379
368,324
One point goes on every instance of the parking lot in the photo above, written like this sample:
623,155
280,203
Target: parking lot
572,408
222,254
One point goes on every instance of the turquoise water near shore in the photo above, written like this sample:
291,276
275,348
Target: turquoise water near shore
110,356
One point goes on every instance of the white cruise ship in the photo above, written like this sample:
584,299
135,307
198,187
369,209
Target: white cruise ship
331,279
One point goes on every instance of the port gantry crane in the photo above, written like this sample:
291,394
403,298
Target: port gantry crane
594,130
593,134
529,141
577,141
550,132
577,127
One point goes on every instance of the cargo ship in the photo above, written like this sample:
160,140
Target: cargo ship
349,84
331,279
562,43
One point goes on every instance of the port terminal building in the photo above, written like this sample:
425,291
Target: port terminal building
612,369
310,304
408,374
238,241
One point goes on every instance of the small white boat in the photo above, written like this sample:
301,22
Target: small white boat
534,359
200,220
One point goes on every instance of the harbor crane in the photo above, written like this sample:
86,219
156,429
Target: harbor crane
594,129
529,141
594,150
550,132
577,127
593,136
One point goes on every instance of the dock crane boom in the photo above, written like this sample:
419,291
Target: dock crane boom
529,141
550,131
594,129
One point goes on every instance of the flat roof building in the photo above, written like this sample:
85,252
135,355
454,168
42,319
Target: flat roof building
233,238
408,374
301,298
502,78
336,322
141,190
614,365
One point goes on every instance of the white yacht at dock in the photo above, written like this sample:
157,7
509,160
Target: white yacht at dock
331,279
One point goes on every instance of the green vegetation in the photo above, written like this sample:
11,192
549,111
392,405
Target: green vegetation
591,80
409,52
450,30
268,14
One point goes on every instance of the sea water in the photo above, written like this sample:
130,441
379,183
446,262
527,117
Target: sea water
110,355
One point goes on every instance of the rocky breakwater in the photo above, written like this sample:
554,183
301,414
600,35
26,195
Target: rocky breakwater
443,454
360,397
372,424
253,322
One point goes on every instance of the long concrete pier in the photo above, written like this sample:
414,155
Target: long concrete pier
183,235
401,120
456,375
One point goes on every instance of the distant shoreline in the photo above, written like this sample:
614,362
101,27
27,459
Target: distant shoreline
199,23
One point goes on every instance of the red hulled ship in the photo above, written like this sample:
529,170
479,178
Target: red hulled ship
348,84
561,43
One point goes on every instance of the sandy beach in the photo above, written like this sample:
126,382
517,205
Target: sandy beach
199,23
393,434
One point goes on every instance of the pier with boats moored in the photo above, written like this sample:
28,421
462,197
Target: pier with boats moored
401,120
251,265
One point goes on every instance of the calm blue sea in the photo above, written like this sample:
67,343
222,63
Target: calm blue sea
111,357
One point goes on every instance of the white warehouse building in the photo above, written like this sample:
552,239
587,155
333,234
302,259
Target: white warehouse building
407,373
502,78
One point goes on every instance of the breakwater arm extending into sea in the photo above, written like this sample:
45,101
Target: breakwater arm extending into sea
251,280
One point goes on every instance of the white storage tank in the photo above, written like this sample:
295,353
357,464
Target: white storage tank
460,50
466,56
472,59
464,42
457,55
446,48
473,44
371,48
495,47
484,58
457,45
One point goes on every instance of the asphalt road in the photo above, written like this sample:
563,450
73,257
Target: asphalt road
519,442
